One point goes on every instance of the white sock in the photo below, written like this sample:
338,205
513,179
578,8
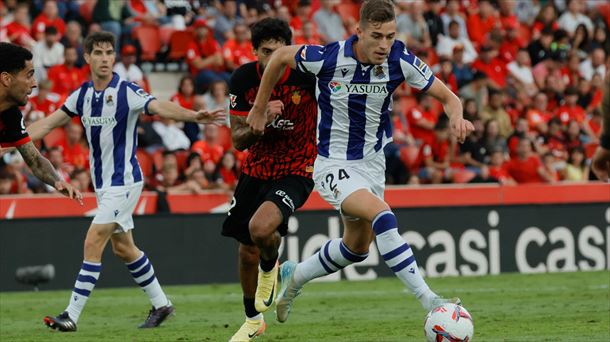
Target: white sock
333,256
85,282
143,273
399,256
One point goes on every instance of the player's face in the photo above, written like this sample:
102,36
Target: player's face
101,59
375,41
265,49
21,84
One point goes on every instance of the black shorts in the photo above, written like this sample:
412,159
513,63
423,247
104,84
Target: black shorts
288,193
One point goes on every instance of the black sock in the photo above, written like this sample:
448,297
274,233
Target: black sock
249,306
268,265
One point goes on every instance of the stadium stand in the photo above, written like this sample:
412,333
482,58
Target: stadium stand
499,84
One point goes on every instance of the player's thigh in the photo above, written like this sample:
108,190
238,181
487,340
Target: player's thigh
248,196
99,234
116,205
355,189
284,197
358,234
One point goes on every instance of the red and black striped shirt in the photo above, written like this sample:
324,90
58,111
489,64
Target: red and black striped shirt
288,146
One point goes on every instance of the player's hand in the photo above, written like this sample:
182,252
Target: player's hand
69,191
461,128
274,108
600,163
216,117
257,120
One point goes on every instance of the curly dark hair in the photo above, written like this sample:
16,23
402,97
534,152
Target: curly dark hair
13,58
270,29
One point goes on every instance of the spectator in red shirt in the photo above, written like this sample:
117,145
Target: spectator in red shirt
227,171
66,77
75,152
446,74
496,169
422,119
18,31
512,41
492,66
239,50
555,140
571,110
437,157
209,149
593,125
185,96
538,116
309,35
48,17
44,103
570,71
204,57
526,167
546,19
302,15
481,21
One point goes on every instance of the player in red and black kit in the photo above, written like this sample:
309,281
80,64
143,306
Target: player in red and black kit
16,83
276,177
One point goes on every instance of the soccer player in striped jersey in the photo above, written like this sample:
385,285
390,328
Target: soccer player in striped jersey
356,79
108,108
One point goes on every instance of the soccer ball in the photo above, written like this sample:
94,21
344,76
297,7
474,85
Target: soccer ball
449,323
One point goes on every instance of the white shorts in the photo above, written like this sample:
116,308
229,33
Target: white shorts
116,204
337,179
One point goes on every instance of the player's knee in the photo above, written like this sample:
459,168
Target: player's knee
123,251
94,242
261,229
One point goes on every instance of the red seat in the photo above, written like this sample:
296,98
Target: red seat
181,157
150,41
146,162
178,44
348,10
463,176
408,155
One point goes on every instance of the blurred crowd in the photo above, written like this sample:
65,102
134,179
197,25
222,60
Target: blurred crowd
529,74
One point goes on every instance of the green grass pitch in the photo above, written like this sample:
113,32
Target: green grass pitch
512,307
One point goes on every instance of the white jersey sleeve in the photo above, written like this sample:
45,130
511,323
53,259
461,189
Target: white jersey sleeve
417,73
71,105
138,99
310,58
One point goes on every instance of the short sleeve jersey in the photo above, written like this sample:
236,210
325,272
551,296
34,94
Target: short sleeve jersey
12,128
354,98
288,146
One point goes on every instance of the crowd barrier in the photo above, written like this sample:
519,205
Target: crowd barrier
453,231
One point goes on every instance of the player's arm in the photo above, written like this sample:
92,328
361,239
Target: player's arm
453,107
601,160
241,135
39,129
44,170
282,57
171,110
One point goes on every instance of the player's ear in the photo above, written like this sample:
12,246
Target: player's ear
5,78
87,58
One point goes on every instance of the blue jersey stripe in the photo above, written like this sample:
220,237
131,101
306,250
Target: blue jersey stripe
396,78
81,98
356,110
96,131
137,173
326,108
119,133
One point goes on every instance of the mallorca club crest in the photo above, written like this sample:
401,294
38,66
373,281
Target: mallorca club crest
334,86
296,97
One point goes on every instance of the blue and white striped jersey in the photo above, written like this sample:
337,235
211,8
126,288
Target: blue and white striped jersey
110,120
355,99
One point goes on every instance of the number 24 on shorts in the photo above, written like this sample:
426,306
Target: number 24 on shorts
330,179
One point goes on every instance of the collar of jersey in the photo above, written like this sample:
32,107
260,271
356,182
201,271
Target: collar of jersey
349,49
113,82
